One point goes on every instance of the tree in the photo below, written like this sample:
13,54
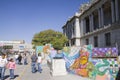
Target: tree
57,39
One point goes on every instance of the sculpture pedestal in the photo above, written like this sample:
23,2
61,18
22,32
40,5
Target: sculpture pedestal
58,67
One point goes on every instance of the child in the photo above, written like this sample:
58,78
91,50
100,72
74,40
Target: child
39,62
11,66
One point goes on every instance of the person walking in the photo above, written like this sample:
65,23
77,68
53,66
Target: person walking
25,59
11,66
39,61
3,63
19,59
16,58
33,62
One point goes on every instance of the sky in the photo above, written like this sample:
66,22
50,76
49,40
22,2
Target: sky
21,19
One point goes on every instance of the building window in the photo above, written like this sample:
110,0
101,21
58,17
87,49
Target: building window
87,25
95,41
96,20
74,23
73,30
119,8
72,42
87,41
108,39
107,13
67,44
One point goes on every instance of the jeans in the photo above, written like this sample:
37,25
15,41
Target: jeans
33,65
19,62
25,61
11,73
16,61
2,72
39,67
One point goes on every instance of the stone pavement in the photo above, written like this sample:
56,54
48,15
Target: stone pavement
23,72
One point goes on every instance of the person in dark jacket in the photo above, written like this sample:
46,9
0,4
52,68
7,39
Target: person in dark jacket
33,62
19,59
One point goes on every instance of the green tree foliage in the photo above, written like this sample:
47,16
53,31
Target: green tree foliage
57,39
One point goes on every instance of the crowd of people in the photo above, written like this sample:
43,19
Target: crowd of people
18,59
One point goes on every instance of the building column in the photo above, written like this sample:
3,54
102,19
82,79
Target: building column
72,31
65,32
81,28
77,42
84,26
116,10
99,17
92,22
77,29
113,11
102,16
70,43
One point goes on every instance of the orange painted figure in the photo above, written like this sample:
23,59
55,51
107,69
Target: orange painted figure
80,64
45,48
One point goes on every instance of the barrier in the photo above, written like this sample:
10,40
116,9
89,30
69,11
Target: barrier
58,67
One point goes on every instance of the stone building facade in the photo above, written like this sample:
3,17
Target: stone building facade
97,23
72,30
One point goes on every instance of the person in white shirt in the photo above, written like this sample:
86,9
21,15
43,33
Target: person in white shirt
3,63
16,57
39,61
0,57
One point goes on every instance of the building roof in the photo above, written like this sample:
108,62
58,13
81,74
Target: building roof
71,18
82,10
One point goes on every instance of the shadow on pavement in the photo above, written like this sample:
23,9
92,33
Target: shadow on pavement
7,76
16,76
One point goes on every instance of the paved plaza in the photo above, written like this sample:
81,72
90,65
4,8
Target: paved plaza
23,72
